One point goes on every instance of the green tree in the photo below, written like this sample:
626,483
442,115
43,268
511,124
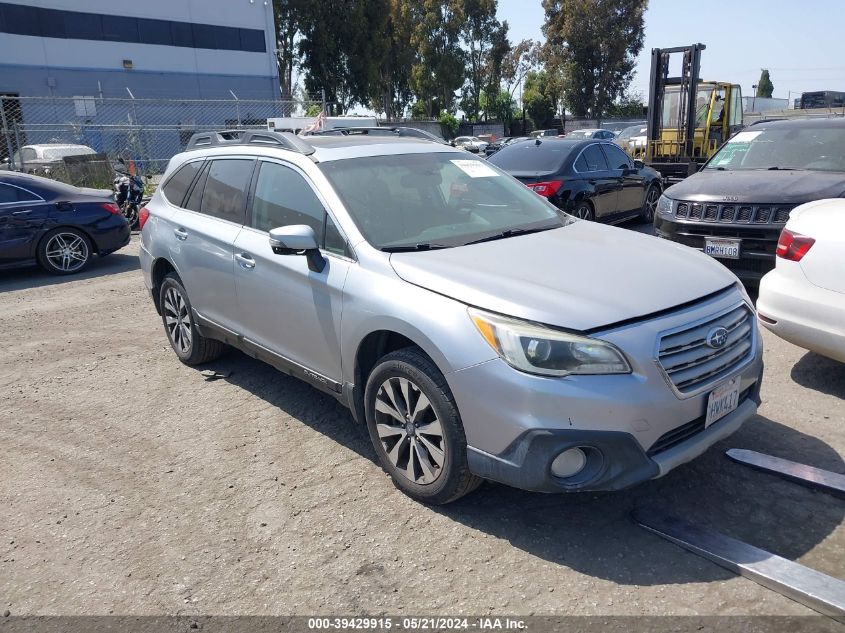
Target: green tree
290,16
517,62
591,47
500,106
391,91
439,67
535,98
765,87
627,106
485,45
449,125
339,52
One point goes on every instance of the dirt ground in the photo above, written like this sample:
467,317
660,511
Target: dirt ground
130,484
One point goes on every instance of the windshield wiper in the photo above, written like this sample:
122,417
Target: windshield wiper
509,233
776,168
408,248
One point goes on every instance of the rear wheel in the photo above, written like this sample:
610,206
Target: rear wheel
652,195
416,429
64,251
190,346
584,211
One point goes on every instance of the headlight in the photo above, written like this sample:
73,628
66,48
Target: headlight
664,205
540,350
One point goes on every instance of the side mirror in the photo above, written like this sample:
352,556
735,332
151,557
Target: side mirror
638,164
298,239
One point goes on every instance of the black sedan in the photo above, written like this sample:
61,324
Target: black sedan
56,225
592,180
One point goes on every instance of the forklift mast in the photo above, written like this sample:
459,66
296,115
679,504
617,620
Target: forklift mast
688,88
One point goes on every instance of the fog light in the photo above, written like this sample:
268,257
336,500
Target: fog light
570,462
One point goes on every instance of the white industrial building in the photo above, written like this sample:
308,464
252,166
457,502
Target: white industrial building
179,49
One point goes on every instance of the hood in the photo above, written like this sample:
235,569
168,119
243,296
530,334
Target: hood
581,276
759,186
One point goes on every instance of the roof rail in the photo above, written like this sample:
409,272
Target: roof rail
284,140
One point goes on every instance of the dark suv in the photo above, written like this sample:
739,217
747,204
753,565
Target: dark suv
735,208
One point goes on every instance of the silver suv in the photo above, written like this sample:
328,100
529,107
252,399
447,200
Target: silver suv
477,331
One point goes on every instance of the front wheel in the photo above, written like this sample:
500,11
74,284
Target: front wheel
416,430
652,195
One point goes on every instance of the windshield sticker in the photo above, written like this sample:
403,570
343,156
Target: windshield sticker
744,137
474,168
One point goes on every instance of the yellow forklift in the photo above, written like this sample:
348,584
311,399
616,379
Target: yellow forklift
688,119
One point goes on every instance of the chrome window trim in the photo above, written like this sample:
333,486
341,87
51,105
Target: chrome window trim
38,200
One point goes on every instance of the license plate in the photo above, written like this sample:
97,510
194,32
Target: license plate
723,399
726,249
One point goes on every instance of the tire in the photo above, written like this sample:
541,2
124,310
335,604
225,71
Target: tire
190,346
408,453
652,195
65,251
584,211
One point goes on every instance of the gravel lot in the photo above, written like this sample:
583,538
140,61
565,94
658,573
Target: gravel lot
132,485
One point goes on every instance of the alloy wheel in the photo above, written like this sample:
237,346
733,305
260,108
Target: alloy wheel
651,199
409,430
67,252
177,320
582,212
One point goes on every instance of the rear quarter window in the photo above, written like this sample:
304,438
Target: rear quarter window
177,185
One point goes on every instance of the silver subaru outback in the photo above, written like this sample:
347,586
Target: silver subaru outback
477,331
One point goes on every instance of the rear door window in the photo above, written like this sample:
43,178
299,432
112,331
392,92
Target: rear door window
591,159
224,194
177,186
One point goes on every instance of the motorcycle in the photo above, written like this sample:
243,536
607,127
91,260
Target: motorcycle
128,193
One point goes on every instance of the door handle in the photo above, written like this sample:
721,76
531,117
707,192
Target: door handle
245,260
180,233
27,212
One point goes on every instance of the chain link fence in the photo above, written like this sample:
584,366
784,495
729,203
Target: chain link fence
145,133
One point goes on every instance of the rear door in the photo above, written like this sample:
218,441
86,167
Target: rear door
632,189
23,215
205,230
592,166
287,308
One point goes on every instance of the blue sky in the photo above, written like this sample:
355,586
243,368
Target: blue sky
799,42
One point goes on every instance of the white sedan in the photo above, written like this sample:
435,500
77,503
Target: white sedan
803,299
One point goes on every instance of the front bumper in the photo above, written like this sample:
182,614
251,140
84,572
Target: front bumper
640,427
757,250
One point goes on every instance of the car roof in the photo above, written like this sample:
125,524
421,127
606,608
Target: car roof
37,184
335,147
805,122
58,145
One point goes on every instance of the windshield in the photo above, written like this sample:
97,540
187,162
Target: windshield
816,147
435,200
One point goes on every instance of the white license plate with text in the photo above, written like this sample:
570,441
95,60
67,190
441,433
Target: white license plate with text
723,399
720,247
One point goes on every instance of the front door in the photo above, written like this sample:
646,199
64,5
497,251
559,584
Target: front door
23,216
285,307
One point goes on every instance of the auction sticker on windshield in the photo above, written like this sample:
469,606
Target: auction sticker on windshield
475,168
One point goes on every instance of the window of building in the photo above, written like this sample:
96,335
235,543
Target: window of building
117,28
154,32
84,26
252,40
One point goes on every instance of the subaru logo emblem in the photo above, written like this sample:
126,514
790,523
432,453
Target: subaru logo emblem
717,337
